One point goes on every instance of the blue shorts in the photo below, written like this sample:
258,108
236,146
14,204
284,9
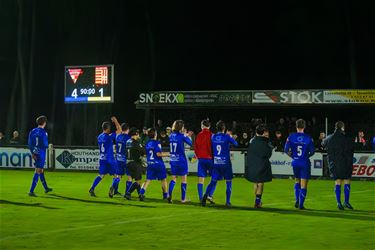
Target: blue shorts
220,172
107,167
156,171
179,168
205,167
40,161
121,168
302,172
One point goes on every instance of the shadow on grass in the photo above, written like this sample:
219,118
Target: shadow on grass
56,196
26,204
348,214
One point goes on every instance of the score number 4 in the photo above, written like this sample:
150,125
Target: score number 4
86,92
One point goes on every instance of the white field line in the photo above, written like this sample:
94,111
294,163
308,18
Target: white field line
28,235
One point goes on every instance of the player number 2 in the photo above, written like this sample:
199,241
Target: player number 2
151,155
218,148
299,150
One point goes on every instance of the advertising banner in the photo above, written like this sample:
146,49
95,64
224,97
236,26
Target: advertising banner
282,164
364,165
16,158
349,96
288,96
77,159
197,98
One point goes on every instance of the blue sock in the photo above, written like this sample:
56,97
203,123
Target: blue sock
143,191
213,188
96,182
165,195
200,190
43,180
258,199
210,188
338,193
34,182
171,187
347,192
183,191
297,189
229,191
302,196
128,185
117,183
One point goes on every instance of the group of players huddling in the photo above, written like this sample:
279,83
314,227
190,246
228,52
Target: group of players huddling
212,151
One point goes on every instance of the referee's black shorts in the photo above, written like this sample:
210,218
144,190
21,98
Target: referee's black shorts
135,170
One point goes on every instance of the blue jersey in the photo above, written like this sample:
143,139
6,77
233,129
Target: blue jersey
221,148
38,141
121,140
152,148
105,143
177,150
301,147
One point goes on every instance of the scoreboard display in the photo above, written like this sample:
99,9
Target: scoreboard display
89,84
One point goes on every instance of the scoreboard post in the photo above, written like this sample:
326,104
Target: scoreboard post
89,84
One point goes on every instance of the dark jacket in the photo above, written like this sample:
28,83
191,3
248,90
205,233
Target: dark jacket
258,166
340,151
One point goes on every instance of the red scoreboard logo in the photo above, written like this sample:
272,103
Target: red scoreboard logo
101,75
74,74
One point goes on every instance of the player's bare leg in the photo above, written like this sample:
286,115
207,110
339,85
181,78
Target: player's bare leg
143,190
258,194
96,182
164,187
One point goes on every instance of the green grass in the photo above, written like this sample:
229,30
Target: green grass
69,219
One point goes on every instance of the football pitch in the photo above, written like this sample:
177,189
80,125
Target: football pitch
68,218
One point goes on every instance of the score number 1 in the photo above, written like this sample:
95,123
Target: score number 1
86,92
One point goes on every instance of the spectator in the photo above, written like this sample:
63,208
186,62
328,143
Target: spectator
164,139
318,143
15,139
2,139
190,135
159,126
144,136
243,142
278,142
360,141
169,131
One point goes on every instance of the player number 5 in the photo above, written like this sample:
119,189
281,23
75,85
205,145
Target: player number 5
299,150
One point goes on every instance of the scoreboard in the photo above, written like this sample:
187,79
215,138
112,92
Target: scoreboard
89,84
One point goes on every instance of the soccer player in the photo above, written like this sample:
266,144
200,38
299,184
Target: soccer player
258,167
340,150
155,165
107,163
134,161
203,151
300,147
121,140
38,144
179,165
222,168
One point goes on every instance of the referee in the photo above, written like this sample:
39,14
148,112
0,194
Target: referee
134,151
340,152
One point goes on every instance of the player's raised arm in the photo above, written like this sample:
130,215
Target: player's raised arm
117,124
187,140
232,141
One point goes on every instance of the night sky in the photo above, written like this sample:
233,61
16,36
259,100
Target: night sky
174,45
